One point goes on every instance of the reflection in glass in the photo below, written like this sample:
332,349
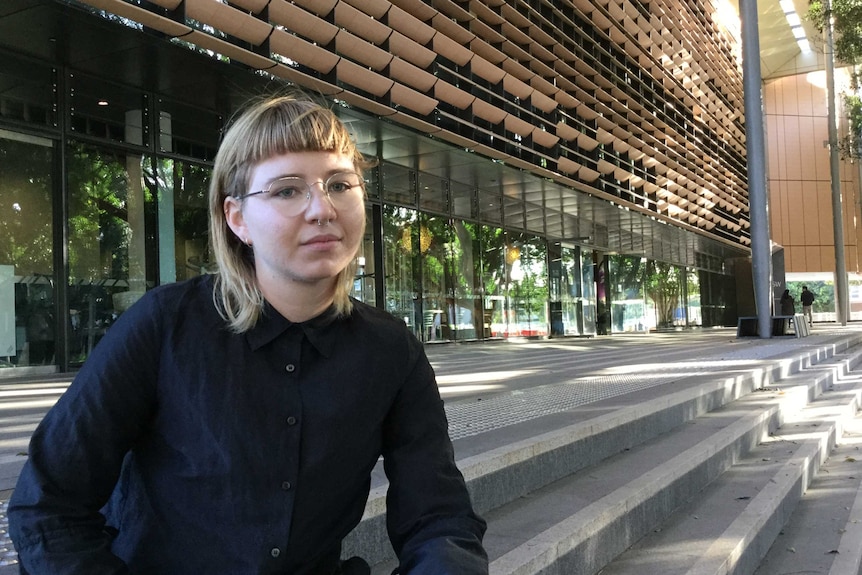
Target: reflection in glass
400,246
107,241
27,315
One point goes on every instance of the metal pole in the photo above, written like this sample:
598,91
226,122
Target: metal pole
841,288
761,250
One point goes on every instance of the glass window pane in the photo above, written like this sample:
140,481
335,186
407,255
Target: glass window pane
108,267
107,111
400,239
27,313
28,92
399,184
463,205
433,194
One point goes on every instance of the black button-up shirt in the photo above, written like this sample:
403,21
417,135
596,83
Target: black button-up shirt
182,448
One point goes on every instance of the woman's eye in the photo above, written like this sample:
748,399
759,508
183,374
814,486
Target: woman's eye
285,191
339,187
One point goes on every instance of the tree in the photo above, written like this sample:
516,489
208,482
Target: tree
847,31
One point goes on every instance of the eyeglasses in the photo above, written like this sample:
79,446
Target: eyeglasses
292,195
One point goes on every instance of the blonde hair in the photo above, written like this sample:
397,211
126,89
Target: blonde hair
267,127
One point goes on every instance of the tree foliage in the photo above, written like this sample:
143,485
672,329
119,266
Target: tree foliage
847,35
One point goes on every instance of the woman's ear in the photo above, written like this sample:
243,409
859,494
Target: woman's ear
234,218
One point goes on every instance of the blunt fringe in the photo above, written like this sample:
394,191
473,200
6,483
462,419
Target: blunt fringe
264,128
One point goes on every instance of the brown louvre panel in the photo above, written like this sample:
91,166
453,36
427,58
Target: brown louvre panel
301,21
229,20
516,35
516,52
542,37
169,4
518,126
541,68
451,49
145,17
488,111
606,167
319,7
375,8
567,132
605,137
362,78
304,80
411,75
587,113
542,53
485,32
516,87
585,6
361,51
485,13
567,166
544,138
366,104
513,16
299,50
232,51
361,24
253,6
452,95
411,99
452,30
543,86
414,123
418,8
452,10
588,175
409,50
566,100
486,70
518,70
543,102
487,52
409,25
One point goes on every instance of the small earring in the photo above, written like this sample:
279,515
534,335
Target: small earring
248,242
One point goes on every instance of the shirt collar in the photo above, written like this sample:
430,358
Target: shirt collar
320,330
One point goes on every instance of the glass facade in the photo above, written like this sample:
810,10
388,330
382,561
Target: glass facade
103,191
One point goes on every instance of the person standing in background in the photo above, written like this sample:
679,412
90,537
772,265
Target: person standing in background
807,299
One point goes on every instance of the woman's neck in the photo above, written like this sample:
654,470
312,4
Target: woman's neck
300,301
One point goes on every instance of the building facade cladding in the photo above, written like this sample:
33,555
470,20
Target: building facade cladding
586,128
639,104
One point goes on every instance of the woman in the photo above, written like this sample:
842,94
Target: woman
229,424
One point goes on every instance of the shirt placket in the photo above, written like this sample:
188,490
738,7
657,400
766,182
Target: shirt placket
288,358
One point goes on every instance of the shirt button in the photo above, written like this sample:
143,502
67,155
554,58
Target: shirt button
291,420
275,552
285,485
290,368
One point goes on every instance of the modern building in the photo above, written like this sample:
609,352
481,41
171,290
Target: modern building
545,167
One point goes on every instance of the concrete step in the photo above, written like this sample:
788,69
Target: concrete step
824,532
729,526
515,474
654,479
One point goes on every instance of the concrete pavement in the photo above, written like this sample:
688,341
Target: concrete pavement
500,394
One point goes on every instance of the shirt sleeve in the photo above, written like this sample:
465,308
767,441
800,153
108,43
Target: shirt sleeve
431,522
77,451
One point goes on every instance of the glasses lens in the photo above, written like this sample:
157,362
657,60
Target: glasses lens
344,189
291,195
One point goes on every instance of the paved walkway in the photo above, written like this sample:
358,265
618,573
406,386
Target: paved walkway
495,392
